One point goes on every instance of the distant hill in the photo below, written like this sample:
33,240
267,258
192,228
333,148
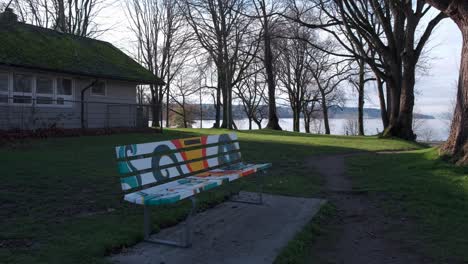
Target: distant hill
286,112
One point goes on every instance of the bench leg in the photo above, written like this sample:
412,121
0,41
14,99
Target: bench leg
259,182
187,232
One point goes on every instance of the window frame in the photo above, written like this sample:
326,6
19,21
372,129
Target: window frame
35,76
52,95
9,88
68,98
105,89
30,94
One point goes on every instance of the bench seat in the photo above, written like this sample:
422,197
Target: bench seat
175,191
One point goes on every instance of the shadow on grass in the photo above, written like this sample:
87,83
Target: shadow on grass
432,192
60,198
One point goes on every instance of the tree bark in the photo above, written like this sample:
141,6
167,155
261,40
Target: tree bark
306,123
405,118
325,115
456,144
273,121
259,124
361,86
296,118
218,99
383,106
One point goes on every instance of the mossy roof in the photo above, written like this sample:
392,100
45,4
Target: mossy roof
28,46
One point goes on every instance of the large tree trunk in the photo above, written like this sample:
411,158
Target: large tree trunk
393,130
273,121
405,118
457,145
325,117
296,118
306,122
383,106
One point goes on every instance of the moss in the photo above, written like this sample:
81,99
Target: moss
35,47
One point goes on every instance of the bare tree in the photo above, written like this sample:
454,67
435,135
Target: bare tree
457,143
162,44
184,87
292,68
309,108
251,93
224,33
359,83
73,16
328,73
398,47
395,33
264,11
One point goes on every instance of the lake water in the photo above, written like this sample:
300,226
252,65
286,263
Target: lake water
426,129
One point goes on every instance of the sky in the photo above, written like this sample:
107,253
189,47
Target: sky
436,88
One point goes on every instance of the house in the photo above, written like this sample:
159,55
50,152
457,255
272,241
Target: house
45,75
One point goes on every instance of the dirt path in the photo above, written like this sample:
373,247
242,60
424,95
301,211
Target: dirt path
360,231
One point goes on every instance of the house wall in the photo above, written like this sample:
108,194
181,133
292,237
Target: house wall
114,109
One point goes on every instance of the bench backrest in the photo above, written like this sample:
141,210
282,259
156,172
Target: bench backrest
146,164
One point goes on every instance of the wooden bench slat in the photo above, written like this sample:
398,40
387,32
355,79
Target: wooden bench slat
152,177
174,191
191,158
135,150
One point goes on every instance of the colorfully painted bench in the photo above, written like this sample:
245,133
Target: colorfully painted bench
166,172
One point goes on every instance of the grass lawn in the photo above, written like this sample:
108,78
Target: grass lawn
431,192
60,199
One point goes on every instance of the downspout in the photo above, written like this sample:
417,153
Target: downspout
82,102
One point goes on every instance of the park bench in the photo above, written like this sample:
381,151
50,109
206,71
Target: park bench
166,172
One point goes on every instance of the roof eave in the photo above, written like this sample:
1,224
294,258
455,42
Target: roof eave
157,80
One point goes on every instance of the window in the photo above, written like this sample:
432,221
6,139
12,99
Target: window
44,90
4,87
64,86
64,91
99,89
22,89
29,89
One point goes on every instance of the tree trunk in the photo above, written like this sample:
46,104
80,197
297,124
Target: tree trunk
218,101
325,117
167,104
383,106
250,123
361,85
154,106
405,118
61,20
456,144
273,121
306,122
392,129
259,124
361,112
296,118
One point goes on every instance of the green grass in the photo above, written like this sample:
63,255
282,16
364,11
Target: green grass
298,250
60,198
428,190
